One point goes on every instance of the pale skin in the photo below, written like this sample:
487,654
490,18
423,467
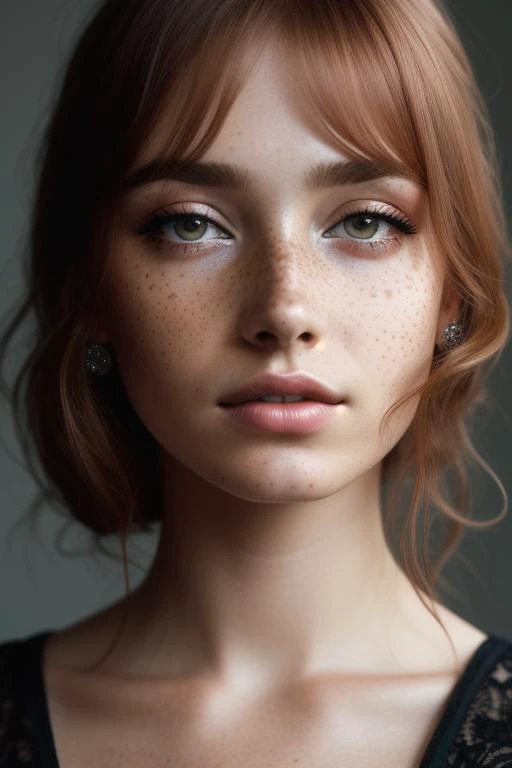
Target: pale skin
272,570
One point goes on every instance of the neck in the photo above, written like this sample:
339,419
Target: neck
266,593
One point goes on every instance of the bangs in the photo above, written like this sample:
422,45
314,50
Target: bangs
348,75
345,75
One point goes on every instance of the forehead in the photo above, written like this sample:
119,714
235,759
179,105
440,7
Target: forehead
268,137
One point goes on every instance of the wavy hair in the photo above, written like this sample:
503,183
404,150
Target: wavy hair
387,80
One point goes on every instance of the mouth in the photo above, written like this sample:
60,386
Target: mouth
300,417
302,401
283,389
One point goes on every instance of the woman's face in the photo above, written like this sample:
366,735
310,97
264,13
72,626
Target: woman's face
276,281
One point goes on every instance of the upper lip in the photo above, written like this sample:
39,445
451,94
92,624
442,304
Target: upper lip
284,384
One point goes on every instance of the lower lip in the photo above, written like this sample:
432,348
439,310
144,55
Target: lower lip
306,416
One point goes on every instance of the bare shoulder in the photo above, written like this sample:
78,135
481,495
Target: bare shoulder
466,636
78,645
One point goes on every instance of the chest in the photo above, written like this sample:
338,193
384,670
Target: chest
329,728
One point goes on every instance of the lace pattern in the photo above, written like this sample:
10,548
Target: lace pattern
485,737
15,726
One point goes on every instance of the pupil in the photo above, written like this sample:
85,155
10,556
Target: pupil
191,226
191,222
362,223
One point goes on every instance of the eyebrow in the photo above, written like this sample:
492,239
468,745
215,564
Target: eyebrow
227,176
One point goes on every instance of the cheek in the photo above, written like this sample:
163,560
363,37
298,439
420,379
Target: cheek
393,336
163,321
389,320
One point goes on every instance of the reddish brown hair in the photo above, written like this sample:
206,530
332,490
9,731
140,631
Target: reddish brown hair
386,79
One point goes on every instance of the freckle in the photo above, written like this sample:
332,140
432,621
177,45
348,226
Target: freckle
388,293
147,275
151,287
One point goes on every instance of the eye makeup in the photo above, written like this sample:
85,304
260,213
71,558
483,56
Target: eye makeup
360,216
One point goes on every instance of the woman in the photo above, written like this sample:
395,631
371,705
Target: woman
238,201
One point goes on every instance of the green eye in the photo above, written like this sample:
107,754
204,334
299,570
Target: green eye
360,224
189,229
192,225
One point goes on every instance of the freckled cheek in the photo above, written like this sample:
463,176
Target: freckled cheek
393,320
157,317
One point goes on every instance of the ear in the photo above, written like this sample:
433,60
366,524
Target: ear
449,309
97,330
99,335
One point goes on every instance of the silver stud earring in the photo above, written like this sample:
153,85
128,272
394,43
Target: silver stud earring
98,359
453,335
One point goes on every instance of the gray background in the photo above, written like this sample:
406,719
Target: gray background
51,578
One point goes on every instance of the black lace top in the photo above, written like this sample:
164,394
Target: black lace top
475,728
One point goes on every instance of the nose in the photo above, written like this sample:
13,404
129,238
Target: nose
281,309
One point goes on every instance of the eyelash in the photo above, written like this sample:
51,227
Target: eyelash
155,221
